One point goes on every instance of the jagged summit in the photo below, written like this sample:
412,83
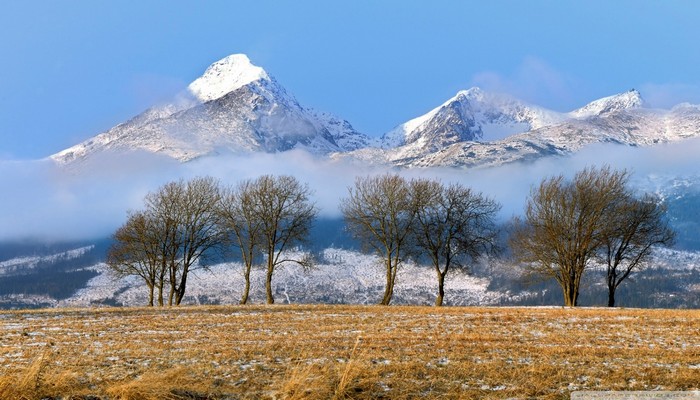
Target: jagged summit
623,101
471,115
234,107
225,76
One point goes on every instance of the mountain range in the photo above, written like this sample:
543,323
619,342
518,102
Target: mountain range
237,107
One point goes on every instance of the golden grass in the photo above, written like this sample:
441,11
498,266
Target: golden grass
344,352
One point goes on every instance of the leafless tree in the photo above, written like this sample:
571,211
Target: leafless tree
136,252
197,230
238,217
563,224
379,212
282,207
453,224
164,242
634,227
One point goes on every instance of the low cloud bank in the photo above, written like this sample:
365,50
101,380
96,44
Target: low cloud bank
41,200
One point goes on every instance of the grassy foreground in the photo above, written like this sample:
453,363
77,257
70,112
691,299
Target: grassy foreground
365,352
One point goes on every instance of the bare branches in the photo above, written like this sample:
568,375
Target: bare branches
561,231
177,228
399,218
136,251
453,224
634,227
237,218
379,212
569,223
269,215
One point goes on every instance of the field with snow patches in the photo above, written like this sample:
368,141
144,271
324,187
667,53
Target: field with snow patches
338,351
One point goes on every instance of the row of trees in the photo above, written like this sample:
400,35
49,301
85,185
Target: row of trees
568,225
184,222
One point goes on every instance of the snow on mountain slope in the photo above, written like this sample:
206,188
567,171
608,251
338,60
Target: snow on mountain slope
234,107
237,107
345,277
344,135
619,102
471,115
27,263
476,128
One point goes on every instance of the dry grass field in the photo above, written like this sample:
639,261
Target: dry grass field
324,352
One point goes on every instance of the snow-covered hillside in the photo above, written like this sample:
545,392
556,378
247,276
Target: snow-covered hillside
349,277
471,115
27,263
340,276
619,102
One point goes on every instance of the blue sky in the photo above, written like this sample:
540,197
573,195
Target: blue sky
72,69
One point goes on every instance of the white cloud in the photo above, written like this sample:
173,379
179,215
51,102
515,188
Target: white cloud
43,201
535,81
668,95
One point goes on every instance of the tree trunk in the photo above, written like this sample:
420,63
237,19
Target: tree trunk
150,295
389,288
611,296
268,288
171,295
570,294
441,289
180,293
388,293
268,278
160,295
246,288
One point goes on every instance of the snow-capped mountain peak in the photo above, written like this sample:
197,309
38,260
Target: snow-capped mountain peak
473,94
623,101
225,76
234,107
470,115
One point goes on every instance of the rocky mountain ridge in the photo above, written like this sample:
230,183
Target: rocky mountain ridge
237,107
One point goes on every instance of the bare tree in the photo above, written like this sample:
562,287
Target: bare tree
199,229
136,252
183,227
238,217
379,212
453,224
563,225
634,227
282,207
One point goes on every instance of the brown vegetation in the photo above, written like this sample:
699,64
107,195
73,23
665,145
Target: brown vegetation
365,352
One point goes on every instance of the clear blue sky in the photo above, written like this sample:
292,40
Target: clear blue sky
71,69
